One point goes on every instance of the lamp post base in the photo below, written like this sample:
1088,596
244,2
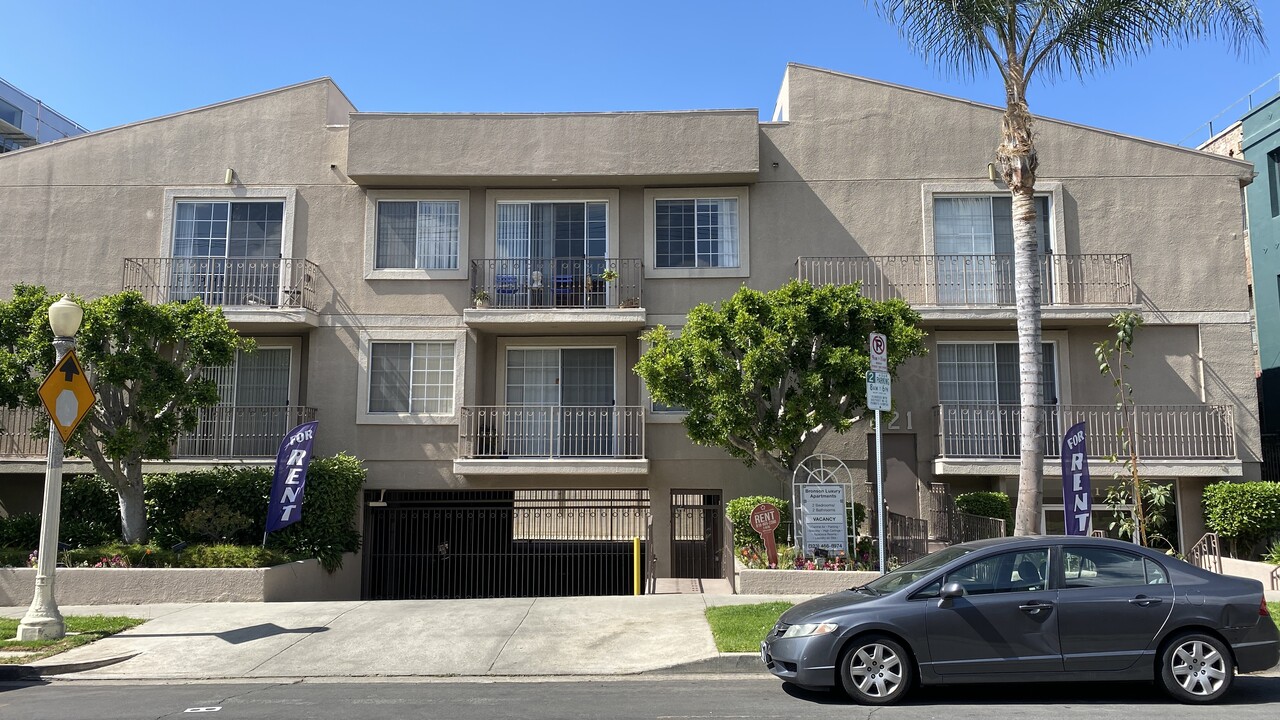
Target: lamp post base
41,625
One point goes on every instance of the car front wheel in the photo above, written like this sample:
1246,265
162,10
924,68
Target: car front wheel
876,671
1196,668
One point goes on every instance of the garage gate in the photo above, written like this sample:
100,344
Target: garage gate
502,543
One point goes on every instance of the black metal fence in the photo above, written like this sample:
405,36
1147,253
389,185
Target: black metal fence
563,282
950,526
502,543
1271,457
908,538
696,525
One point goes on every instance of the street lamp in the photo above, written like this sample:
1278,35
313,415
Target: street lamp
43,621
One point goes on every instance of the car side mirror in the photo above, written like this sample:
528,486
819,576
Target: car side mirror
949,592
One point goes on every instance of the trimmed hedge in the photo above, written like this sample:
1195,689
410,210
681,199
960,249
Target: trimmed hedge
1246,513
988,504
226,506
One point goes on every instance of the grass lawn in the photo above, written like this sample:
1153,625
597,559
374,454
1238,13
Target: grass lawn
740,628
1274,607
81,630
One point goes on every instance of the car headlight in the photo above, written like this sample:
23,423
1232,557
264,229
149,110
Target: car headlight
807,629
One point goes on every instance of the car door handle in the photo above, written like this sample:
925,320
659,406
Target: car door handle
1145,601
1035,607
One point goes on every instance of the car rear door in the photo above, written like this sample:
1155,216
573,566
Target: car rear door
1111,605
1006,622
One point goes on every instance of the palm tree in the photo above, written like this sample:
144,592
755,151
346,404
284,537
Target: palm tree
1053,38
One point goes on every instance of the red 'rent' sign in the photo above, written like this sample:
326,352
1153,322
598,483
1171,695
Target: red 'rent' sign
765,518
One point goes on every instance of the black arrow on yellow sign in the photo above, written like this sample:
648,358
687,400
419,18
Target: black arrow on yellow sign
69,369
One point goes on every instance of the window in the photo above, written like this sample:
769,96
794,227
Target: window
227,252
10,114
1008,572
973,248
696,232
420,234
254,409
978,389
1099,567
411,377
416,235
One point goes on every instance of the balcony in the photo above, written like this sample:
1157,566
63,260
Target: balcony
226,433
1072,286
551,440
1173,440
556,294
277,292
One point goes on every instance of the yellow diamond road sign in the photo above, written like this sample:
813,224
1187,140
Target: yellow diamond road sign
66,395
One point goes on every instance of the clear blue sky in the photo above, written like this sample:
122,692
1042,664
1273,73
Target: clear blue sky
108,63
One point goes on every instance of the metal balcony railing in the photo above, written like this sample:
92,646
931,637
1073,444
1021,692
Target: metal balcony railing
223,432
976,280
1165,432
568,283
225,281
551,431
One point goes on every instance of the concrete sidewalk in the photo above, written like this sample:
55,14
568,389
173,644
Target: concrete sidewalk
425,638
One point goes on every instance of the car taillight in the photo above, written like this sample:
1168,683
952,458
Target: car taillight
1262,609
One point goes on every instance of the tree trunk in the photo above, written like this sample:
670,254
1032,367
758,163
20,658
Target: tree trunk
1018,163
133,511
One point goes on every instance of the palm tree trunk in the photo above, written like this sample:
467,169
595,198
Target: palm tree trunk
1017,158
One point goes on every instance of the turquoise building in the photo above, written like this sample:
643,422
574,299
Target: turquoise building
1260,141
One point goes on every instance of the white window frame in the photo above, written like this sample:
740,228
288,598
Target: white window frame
172,196
652,195
493,197
1052,189
1057,338
402,335
373,197
617,343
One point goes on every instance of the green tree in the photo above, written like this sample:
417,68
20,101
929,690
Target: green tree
146,364
1048,39
766,375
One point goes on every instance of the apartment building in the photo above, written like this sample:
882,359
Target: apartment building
459,300
25,121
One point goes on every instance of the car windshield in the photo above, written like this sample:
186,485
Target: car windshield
913,571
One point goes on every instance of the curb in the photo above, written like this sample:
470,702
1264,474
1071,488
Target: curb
724,663
35,672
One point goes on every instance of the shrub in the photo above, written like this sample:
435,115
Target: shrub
739,513
222,505
20,532
193,556
1245,513
988,504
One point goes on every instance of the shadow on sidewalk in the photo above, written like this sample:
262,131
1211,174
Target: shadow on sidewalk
239,635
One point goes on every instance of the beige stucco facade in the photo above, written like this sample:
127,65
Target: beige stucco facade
850,168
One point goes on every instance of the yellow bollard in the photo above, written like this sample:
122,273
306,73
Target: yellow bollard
635,556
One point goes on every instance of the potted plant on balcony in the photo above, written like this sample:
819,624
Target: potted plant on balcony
481,298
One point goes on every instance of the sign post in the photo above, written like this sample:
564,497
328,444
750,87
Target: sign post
879,398
765,518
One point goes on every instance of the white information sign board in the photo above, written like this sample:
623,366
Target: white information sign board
878,393
824,519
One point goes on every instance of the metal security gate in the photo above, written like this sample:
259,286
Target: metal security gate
502,543
696,522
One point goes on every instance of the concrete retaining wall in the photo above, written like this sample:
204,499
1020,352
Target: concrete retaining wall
799,582
298,581
1266,573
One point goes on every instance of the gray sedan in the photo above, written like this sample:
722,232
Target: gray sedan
1041,609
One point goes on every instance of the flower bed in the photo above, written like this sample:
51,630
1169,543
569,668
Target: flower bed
303,580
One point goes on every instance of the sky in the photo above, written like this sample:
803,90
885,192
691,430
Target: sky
104,64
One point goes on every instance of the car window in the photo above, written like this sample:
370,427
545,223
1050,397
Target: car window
1155,574
1104,567
1007,572
914,571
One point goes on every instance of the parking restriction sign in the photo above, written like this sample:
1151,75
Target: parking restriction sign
879,345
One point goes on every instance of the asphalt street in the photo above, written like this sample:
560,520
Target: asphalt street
641,698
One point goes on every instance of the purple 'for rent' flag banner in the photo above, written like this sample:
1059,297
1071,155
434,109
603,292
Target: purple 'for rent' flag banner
292,460
1077,501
